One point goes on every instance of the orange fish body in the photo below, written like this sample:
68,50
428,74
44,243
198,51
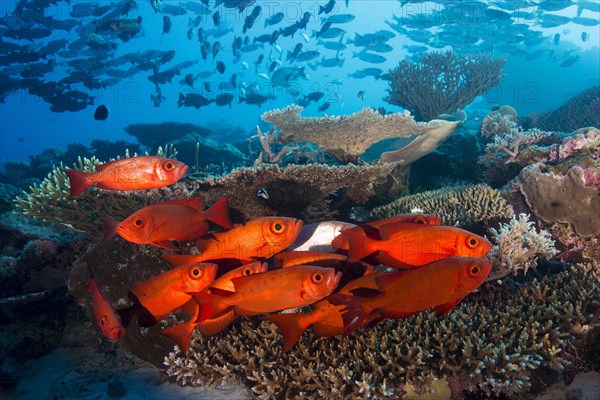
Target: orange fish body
134,173
371,229
257,239
440,285
182,333
271,291
405,245
107,318
185,219
325,318
164,293
308,257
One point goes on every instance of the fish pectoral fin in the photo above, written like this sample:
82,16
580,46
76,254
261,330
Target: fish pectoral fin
444,308
354,315
166,244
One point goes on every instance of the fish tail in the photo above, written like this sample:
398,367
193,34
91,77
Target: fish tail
79,181
181,334
181,100
219,213
354,315
291,327
110,227
359,245
211,306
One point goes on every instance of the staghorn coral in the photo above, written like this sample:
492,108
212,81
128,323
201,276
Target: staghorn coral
442,82
518,246
455,205
301,189
348,137
492,343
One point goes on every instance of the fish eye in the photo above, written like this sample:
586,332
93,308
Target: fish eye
169,166
278,227
472,242
317,277
196,273
247,271
421,220
474,270
139,222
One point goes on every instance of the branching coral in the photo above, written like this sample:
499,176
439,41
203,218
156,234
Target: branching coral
518,247
462,205
579,111
442,82
492,343
347,137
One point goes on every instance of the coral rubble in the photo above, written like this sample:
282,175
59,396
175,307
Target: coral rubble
442,82
348,137
459,205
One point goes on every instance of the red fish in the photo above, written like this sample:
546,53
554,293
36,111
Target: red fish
308,257
405,245
257,239
107,318
157,297
182,333
324,318
271,291
134,173
158,224
371,229
440,285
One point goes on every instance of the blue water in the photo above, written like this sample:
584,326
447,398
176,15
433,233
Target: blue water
27,126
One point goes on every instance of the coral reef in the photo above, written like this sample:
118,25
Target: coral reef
567,198
492,344
347,137
455,205
518,246
308,191
442,82
580,111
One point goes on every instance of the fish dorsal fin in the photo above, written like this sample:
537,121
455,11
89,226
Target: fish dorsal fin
241,281
193,202
365,292
444,308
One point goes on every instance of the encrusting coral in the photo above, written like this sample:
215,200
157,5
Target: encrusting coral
347,137
454,205
518,246
490,345
442,82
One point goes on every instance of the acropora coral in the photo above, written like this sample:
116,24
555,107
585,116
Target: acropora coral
442,82
347,137
579,111
490,345
518,245
454,205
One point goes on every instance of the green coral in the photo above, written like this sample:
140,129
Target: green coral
492,343
455,205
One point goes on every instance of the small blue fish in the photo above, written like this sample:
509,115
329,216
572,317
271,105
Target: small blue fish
262,192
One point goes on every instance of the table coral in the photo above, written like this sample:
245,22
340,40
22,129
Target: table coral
455,205
493,343
442,82
348,137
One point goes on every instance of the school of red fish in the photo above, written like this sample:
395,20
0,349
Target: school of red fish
245,270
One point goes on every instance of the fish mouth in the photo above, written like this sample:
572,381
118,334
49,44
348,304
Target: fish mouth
123,233
117,333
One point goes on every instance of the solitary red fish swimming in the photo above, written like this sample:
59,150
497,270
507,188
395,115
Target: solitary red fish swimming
107,318
158,224
134,173
440,285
